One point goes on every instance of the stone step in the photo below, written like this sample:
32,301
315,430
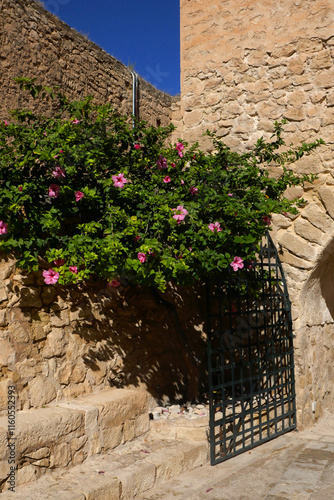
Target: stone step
122,474
181,428
66,434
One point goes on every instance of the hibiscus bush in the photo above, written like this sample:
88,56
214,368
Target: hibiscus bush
84,195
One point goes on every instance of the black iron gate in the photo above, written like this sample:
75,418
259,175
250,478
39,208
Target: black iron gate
251,368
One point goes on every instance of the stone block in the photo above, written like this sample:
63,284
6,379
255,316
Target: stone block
321,60
56,344
328,117
19,332
284,51
48,295
288,258
6,269
27,474
41,391
30,297
194,455
60,319
7,353
136,479
92,432
324,79
128,431
294,114
296,65
44,427
3,317
112,436
37,332
307,231
40,453
298,246
318,217
193,118
168,462
327,198
61,456
269,110
142,424
3,294
280,221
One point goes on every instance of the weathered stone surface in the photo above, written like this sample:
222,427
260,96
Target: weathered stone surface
55,344
6,269
42,391
298,246
7,353
318,218
327,197
61,456
307,231
280,221
30,297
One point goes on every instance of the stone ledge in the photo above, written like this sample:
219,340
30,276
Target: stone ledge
121,475
66,434
180,428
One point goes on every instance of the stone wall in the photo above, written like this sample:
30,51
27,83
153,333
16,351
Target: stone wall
59,342
34,43
245,64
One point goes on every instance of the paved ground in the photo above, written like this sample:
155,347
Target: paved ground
296,466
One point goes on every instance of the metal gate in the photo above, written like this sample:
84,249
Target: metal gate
251,367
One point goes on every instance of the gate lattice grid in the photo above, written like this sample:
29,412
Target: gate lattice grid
251,366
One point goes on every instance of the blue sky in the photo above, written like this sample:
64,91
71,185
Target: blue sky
144,34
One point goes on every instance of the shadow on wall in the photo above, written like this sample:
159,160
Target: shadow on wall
61,342
316,349
318,292
159,342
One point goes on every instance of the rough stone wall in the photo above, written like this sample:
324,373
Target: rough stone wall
34,43
61,342
245,64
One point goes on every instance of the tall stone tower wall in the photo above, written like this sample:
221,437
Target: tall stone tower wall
245,64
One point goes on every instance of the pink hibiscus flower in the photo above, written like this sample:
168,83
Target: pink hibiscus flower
173,165
167,179
73,269
59,262
193,190
137,146
237,263
180,213
114,283
137,238
142,257
3,227
54,190
50,276
119,180
161,163
75,121
79,195
20,188
58,172
179,148
215,227
266,220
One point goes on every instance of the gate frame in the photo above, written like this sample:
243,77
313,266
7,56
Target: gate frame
267,263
